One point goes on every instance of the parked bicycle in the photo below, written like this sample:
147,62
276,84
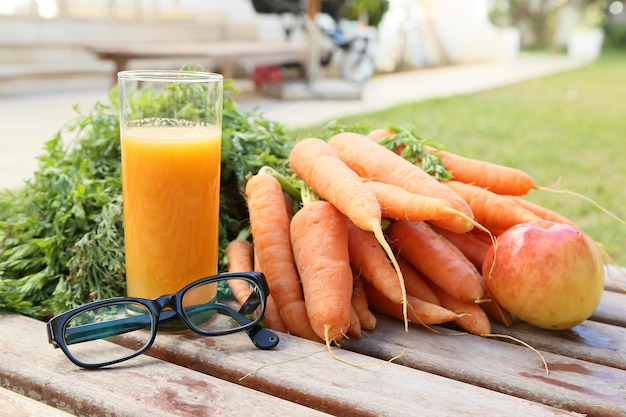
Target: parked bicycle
353,53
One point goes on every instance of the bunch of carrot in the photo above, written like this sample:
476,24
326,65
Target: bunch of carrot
372,231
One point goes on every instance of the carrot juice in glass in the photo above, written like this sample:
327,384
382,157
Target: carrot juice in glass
170,131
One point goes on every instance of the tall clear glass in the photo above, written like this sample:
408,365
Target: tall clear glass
171,131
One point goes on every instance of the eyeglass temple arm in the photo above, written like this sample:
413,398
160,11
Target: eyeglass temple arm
262,337
102,330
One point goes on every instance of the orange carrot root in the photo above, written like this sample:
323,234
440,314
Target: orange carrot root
369,259
472,247
272,317
494,211
360,305
472,317
373,161
416,284
320,248
431,255
400,204
420,311
499,179
274,252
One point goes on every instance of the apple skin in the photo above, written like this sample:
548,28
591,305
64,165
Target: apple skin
548,274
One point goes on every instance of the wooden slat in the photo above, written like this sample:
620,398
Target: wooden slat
304,371
572,384
612,309
14,404
145,387
615,279
590,341
440,374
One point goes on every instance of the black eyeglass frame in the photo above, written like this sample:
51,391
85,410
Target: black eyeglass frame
262,337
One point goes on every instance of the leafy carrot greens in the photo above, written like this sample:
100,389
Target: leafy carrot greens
61,235
414,149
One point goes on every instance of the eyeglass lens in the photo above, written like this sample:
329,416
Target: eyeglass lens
89,333
210,308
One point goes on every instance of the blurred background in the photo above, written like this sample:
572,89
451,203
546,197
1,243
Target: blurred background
45,44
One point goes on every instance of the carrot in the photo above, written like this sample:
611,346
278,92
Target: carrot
471,317
272,318
318,165
319,238
257,264
541,211
378,134
416,284
239,253
359,303
488,303
473,248
397,203
495,310
492,210
371,262
420,311
373,161
477,322
288,204
269,223
355,323
499,179
431,255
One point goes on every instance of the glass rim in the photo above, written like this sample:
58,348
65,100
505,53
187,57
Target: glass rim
168,76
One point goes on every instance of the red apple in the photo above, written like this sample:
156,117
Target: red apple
548,274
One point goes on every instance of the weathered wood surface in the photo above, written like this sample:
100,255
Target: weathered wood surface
572,384
590,341
586,364
612,309
305,372
145,387
13,404
298,370
438,372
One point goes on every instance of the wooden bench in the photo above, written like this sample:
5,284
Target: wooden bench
437,373
225,53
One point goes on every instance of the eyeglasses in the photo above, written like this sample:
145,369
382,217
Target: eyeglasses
84,333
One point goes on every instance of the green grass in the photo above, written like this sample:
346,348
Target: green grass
568,128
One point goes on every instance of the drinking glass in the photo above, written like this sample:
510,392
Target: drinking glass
170,129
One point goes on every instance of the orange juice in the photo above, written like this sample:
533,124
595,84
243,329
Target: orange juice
171,189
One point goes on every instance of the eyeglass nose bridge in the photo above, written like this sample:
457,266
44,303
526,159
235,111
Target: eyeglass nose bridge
164,301
166,307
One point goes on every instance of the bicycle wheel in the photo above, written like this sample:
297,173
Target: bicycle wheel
357,65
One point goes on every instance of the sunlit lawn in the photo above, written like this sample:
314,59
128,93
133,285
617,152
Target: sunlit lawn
569,128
